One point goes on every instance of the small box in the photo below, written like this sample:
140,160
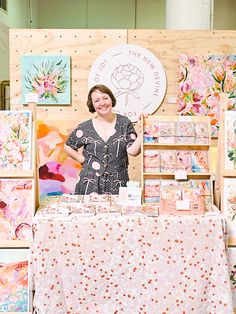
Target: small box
130,196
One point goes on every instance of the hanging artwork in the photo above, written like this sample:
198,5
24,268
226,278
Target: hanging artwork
15,139
231,253
229,199
16,208
48,77
230,142
58,173
14,288
202,80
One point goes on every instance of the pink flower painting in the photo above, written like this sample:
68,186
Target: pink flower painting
15,140
202,80
48,77
230,140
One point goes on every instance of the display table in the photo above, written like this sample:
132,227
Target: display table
113,263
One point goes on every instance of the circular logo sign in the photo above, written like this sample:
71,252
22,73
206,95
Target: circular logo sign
135,76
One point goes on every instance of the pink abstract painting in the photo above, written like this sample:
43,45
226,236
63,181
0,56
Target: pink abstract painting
16,209
14,291
15,139
202,80
58,173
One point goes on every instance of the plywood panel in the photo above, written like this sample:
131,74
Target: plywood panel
85,45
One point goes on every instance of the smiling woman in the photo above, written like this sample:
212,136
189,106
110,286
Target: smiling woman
102,145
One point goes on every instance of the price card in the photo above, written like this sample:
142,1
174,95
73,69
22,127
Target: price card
180,175
182,205
31,97
185,119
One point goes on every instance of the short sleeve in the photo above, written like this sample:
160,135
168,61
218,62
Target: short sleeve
75,139
131,134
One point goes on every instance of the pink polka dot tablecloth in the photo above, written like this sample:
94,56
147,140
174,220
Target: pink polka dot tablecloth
129,264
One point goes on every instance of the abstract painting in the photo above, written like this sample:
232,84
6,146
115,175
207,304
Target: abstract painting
202,80
230,140
16,209
231,253
48,77
14,290
229,205
15,139
58,173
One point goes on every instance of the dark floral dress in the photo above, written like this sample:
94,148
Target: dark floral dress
106,163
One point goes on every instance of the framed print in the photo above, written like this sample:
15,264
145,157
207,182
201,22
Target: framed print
14,274
229,206
48,77
230,141
16,209
15,140
231,254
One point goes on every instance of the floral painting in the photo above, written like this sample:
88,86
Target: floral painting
16,209
230,140
229,205
58,173
14,290
15,139
202,80
231,253
48,77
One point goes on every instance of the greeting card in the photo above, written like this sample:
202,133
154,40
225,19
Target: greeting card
151,160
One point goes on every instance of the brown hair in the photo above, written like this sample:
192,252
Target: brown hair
102,88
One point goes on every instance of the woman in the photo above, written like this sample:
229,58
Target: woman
102,145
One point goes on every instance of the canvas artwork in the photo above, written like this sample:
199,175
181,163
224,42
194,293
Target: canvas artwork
230,140
229,199
202,80
16,209
15,139
14,288
48,77
58,173
231,253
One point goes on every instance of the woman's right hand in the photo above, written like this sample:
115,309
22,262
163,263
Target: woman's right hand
80,158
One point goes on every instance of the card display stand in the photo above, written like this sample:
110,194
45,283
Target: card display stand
176,159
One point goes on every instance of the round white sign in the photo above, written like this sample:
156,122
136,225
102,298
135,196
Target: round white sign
135,76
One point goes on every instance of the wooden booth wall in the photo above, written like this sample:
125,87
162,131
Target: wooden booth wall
85,45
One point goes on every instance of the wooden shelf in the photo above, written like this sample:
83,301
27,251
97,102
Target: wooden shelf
14,244
176,146
17,173
166,175
229,173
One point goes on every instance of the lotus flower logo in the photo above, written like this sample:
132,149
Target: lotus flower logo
127,79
